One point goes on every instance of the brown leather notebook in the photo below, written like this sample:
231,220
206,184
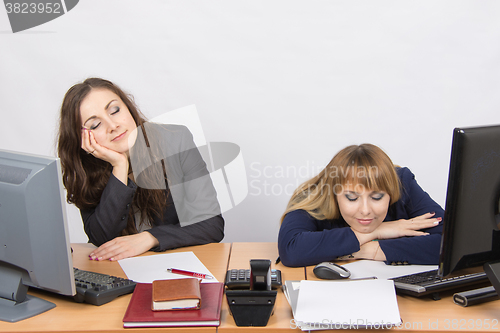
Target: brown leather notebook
177,294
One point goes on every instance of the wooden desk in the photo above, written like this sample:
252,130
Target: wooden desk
241,253
69,316
418,314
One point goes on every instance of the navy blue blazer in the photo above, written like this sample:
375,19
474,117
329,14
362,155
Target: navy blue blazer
304,240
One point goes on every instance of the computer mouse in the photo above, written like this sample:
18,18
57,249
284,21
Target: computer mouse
330,271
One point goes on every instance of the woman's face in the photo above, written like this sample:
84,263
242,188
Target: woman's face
109,119
363,209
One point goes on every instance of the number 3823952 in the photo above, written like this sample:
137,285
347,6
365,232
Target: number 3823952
466,324
32,8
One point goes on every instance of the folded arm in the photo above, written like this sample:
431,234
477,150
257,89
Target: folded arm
303,241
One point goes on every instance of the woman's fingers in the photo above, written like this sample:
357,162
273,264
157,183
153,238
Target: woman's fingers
416,233
88,142
411,227
421,222
124,247
91,146
96,148
114,249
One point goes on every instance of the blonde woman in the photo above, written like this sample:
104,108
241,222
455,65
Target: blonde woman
361,206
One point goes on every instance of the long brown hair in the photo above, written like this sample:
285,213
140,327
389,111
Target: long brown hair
365,165
86,176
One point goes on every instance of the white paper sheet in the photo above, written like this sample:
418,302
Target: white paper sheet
369,268
146,269
347,304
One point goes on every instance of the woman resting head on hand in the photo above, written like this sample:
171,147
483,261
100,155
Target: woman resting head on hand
360,206
99,126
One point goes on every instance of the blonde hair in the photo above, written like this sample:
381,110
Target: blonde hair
365,165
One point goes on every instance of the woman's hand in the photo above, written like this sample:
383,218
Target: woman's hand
119,161
125,247
400,228
370,250
411,227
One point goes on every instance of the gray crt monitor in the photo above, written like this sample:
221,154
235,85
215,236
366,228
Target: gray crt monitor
34,239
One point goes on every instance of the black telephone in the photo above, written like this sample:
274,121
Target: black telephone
240,279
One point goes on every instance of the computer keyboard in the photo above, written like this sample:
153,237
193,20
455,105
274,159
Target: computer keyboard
98,289
424,283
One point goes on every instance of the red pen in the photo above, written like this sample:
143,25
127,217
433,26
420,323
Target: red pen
188,273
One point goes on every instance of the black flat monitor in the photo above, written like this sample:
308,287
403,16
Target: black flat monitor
471,235
34,239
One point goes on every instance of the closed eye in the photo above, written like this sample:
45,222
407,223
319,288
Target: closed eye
351,197
378,197
115,110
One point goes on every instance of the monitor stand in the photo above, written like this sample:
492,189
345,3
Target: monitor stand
15,303
12,311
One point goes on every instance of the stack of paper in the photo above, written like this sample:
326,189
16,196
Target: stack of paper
321,305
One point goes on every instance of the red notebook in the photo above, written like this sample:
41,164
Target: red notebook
139,313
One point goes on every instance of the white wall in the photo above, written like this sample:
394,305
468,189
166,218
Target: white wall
291,82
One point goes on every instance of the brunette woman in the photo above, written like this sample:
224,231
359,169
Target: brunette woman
132,179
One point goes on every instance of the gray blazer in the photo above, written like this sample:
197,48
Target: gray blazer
192,215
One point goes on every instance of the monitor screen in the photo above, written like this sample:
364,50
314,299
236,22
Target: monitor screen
34,239
471,236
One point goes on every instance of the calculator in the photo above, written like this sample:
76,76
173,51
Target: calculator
240,279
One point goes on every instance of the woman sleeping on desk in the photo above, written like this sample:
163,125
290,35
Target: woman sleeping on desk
139,186
361,206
